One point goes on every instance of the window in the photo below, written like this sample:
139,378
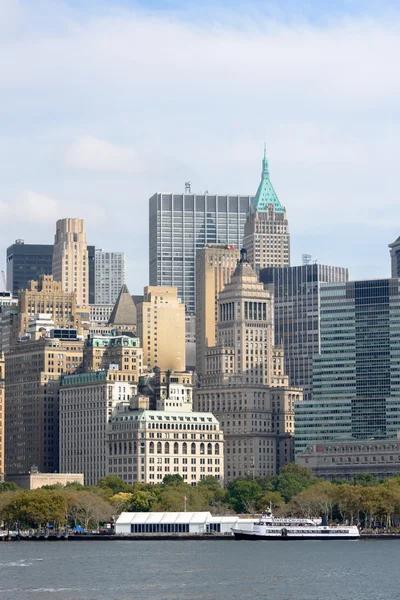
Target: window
159,448
193,448
184,448
166,448
176,448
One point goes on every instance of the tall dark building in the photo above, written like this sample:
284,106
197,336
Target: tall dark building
356,377
297,299
26,262
29,261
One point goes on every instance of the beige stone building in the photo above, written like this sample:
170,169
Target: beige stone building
35,480
161,328
70,259
122,351
147,445
343,458
266,232
47,297
2,410
215,264
86,404
245,386
33,372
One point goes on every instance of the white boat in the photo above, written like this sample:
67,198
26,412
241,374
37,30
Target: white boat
287,528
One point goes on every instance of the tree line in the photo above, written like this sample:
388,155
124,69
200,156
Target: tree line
366,500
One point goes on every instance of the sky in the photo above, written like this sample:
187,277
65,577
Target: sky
104,103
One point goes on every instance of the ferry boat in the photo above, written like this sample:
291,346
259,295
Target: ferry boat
287,528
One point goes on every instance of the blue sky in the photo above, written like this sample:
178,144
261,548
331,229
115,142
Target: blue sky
105,103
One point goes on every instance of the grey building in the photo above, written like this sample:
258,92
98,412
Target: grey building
181,224
297,296
109,276
26,262
29,261
356,377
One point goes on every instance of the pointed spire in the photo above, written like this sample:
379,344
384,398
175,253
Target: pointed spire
266,195
124,311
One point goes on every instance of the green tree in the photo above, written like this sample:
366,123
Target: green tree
114,483
88,509
292,479
366,480
8,486
175,479
267,499
243,494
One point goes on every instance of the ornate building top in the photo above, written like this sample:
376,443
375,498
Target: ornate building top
266,195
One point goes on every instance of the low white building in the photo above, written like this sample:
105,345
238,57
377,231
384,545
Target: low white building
147,445
195,523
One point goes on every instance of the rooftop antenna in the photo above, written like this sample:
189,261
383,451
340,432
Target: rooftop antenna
306,259
188,187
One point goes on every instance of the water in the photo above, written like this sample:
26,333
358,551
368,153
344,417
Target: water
203,570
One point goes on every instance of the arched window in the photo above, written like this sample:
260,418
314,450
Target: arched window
193,448
201,448
176,448
130,447
151,448
115,448
209,449
125,447
184,448
120,448
110,449
159,448
216,448
166,449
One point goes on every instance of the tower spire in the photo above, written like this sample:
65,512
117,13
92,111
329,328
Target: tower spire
265,169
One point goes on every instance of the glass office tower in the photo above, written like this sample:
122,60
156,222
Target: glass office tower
356,377
181,224
297,299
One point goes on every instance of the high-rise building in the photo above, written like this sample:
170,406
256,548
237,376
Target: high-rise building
86,404
26,262
71,260
244,385
109,276
47,297
297,298
356,377
181,224
395,257
2,411
266,232
161,328
215,264
33,371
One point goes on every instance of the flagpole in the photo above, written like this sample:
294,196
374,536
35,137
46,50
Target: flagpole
184,499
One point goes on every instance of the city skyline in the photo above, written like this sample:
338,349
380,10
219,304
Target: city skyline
332,151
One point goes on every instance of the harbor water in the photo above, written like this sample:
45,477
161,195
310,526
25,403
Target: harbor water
200,570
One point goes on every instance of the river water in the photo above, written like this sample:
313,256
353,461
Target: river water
200,570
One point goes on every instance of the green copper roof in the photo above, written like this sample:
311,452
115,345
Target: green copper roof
266,195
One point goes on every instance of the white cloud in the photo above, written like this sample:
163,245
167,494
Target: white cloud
166,99
90,153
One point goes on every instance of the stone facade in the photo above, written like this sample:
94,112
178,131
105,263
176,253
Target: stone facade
71,260
161,328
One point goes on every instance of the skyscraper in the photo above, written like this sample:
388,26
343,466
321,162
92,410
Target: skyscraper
34,369
161,327
2,410
70,259
245,385
297,298
356,377
215,264
26,262
181,224
109,276
266,232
